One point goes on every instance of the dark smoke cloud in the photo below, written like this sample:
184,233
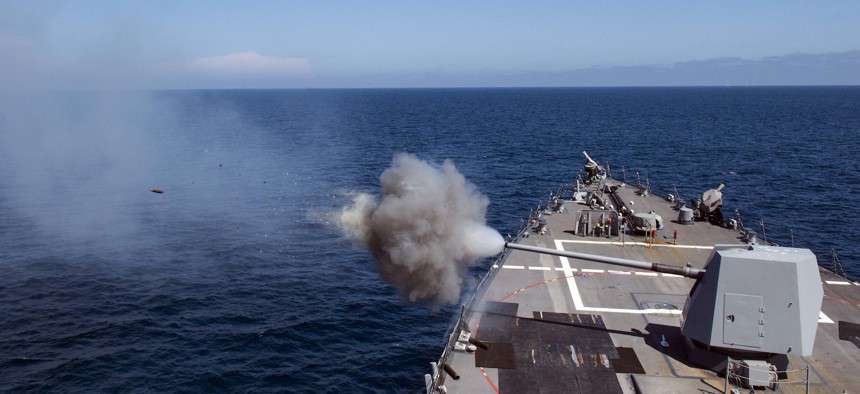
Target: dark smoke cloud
424,229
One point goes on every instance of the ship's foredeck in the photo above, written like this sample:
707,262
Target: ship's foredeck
557,324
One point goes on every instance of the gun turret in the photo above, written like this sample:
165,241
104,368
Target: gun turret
591,168
739,289
712,199
590,161
711,205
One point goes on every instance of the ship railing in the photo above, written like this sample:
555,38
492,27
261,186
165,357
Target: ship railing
437,377
775,236
767,235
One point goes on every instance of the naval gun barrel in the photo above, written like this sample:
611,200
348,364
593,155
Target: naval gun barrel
690,272
587,157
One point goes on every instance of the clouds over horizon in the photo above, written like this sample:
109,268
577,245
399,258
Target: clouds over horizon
24,67
188,45
247,69
251,63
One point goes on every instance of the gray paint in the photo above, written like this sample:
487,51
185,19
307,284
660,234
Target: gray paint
756,298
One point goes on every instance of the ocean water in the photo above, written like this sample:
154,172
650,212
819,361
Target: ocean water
235,278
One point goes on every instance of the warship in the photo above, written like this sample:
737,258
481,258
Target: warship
608,288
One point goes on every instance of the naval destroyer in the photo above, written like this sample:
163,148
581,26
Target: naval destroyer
608,288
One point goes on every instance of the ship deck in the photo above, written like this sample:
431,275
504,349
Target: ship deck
557,324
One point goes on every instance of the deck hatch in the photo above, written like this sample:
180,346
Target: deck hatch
742,317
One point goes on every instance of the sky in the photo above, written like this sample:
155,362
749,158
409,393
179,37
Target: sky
328,44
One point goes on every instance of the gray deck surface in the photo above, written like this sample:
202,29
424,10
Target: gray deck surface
563,327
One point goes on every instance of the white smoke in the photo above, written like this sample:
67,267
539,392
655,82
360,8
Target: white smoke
424,229
77,164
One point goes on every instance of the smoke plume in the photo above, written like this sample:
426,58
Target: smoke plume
424,229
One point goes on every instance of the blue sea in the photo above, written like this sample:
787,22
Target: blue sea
235,277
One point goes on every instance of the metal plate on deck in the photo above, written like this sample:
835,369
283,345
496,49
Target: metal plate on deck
499,355
627,362
498,321
849,332
560,352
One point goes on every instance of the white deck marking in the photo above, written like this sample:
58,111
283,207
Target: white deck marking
671,275
593,271
616,243
646,273
836,282
577,298
514,267
580,306
540,268
619,272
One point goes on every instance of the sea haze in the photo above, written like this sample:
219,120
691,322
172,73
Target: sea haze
236,278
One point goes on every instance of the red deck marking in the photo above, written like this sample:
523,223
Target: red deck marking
490,381
841,300
541,283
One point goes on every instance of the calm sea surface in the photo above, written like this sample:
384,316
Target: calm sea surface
235,278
